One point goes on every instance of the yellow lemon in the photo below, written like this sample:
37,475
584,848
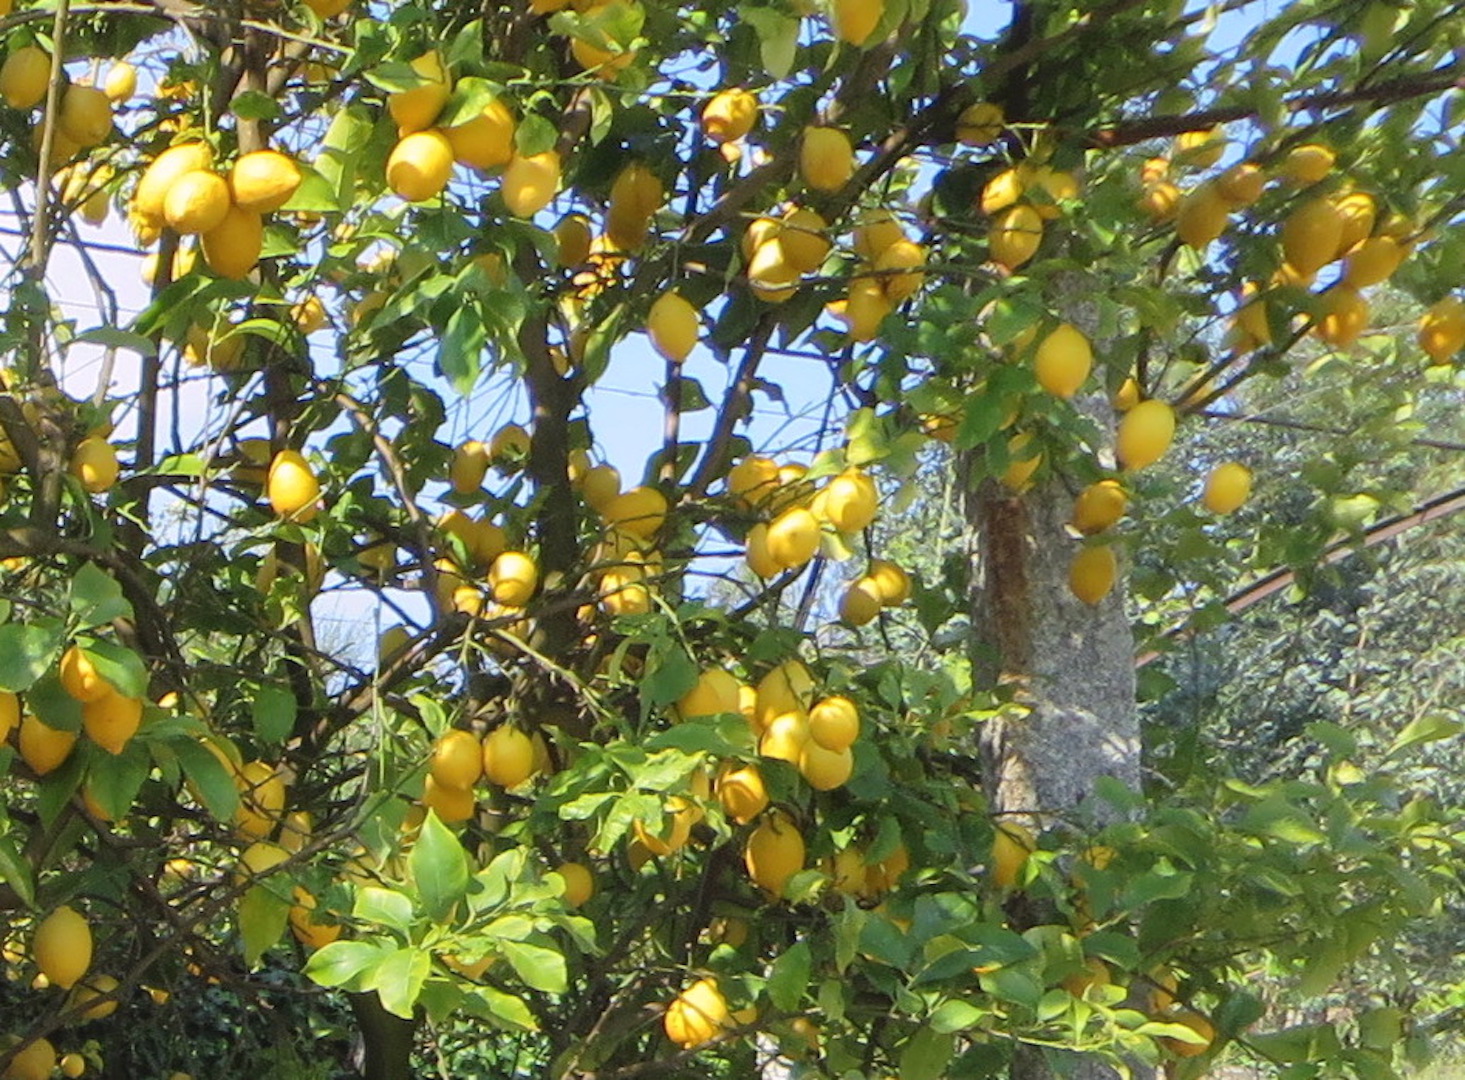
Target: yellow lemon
715,692
673,326
1310,236
44,748
1144,434
892,584
1201,216
457,759
24,77
900,265
1063,361
875,232
1023,459
1011,845
1201,149
94,463
263,180
1198,1024
579,883
111,720
1160,202
729,115
785,736
1343,318
451,804
420,165
292,487
1014,236
741,791
261,799
485,141
640,512
9,714
1307,164
63,947
826,158
232,248
865,308
80,678
834,723
86,115
1442,329
697,1015
508,756
1359,213
802,234
1099,506
825,769
793,538
197,202
860,602
416,108
37,1061
310,933
530,183
757,555
513,578
980,124
775,853
855,20
1241,185
1091,574
1374,260
599,485
1227,487
94,987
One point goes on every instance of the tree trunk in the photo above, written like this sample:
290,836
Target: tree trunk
386,1040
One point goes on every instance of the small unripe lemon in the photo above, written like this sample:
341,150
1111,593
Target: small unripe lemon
485,141
673,326
513,578
729,115
418,107
1092,572
263,180
94,463
197,202
232,248
508,756
826,158
860,602
421,165
793,538
457,759
529,183
1307,164
1144,434
63,947
741,791
775,853
579,883
1063,361
1227,487
834,723
825,769
111,720
292,487
1099,506
1014,236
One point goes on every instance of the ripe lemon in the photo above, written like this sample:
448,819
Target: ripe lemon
875,232
9,714
1014,236
457,759
1099,506
786,688
63,947
673,326
573,238
1227,487
729,115
417,108
715,692
865,308
1197,1023
1144,434
1160,202
261,799
310,933
770,275
1063,361
35,1062
197,202
826,158
697,1015
671,833
600,485
579,883
793,538
785,736
111,720
327,9
851,500
1241,185
1201,217
860,602
513,578
775,853
1091,574
625,592
757,555
420,165
1011,845
44,748
1442,329
24,77
257,860
292,487
509,448
451,804
886,874
752,481
891,582
86,115
1201,149
900,264
1374,260
94,463
508,756
90,989
529,183
741,791
232,248
1006,189
802,236
848,872
825,769
485,141
120,83
1310,236
1251,318
980,124
1359,213
469,467
640,512
855,20
263,180
834,723
1343,317
1056,184
1307,164
80,678
1023,460
169,166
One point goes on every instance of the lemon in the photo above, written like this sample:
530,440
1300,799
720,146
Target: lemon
1307,164
697,1015
770,275
572,240
1251,317
469,467
1145,434
508,756
980,124
1063,361
1099,506
9,714
639,512
310,933
1227,487
110,721
327,9
860,602
197,202
509,448
1201,217
673,326
1442,329
729,115
875,232
793,538
1091,574
86,115
785,736
715,692
741,791
168,167
292,487
24,77
825,769
420,165
625,592
1056,184
257,860
579,883
672,832
1006,189
1160,202
834,723
1343,316
826,158
756,553
788,687
1023,461
261,799
1201,149
80,678
1359,212
94,987
1311,235
44,748
417,108
94,463
63,947
263,180
232,248
1014,236
752,481
457,759
35,1062
848,872
851,501
891,582
865,308
1011,845
513,578
484,141
600,485
1373,261
636,193
529,183
1198,1024
774,853
802,235
451,804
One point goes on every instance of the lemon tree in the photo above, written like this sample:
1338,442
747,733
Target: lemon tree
623,765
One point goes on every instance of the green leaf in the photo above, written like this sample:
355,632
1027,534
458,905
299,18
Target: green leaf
273,713
1424,729
439,868
535,135
210,779
115,779
384,907
120,666
1013,984
254,105
341,963
398,979
262,918
952,1016
507,1009
725,736
460,353
672,677
96,597
789,977
316,194
926,1054
26,651
16,872
52,705
778,38
110,337
540,968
